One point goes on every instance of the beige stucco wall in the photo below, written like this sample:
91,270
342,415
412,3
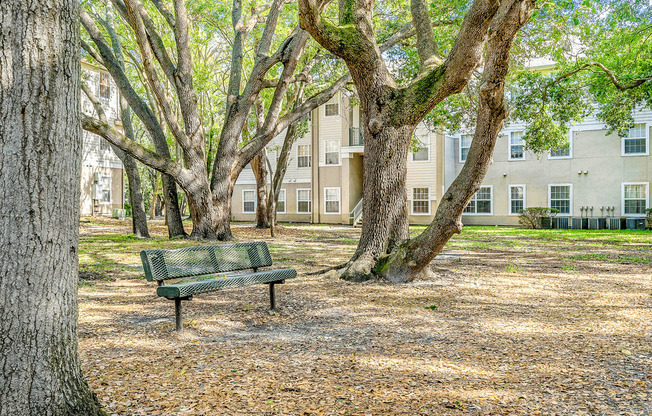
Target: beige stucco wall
594,153
117,189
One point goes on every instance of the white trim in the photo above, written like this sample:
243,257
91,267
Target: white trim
570,208
509,198
459,146
509,146
255,201
412,201
491,188
647,143
110,176
428,144
622,198
339,152
285,201
309,156
309,201
339,200
570,148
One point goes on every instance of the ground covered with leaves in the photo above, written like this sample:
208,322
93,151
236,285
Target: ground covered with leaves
516,322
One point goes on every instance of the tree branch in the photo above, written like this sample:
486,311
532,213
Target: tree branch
425,40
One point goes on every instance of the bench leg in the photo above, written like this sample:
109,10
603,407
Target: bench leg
177,314
272,297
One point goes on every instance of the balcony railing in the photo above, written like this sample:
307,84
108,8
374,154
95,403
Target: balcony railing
355,137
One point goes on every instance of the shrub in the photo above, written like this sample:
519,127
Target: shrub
532,217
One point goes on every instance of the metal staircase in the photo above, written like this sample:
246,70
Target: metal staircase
356,214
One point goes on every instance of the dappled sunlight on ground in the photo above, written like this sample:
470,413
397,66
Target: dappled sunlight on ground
509,325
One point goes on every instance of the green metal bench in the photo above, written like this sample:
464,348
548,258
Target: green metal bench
211,268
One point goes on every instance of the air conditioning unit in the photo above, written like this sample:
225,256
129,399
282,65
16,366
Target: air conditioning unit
635,223
561,223
616,223
97,177
96,191
579,223
597,223
119,213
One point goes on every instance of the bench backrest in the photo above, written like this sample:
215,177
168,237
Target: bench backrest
202,260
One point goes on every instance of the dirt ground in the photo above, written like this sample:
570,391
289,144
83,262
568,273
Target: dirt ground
513,324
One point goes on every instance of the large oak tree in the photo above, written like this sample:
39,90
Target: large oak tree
40,163
391,110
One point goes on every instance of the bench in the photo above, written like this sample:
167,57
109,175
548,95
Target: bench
205,269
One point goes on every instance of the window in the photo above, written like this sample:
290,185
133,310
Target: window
280,204
516,199
303,201
636,141
560,198
105,85
332,200
104,144
106,182
303,155
248,201
423,152
635,198
516,146
564,152
420,201
481,203
332,152
465,144
331,110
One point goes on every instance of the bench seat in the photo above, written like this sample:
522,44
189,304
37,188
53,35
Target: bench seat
186,289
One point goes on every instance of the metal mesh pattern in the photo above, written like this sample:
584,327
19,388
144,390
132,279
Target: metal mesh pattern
204,260
180,290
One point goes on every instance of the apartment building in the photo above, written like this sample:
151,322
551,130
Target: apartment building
102,179
596,175
324,180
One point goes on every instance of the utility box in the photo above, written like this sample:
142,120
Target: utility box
119,213
636,223
616,223
597,223
579,223
96,191
561,223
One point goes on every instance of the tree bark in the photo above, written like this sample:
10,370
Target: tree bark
281,167
40,155
259,166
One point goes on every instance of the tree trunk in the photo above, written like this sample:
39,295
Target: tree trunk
40,155
138,216
259,167
385,200
279,174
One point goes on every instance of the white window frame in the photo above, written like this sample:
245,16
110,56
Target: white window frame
339,200
110,182
412,200
339,156
570,207
283,193
491,190
622,198
309,156
460,147
509,196
425,144
309,201
647,143
570,148
108,85
509,146
334,115
255,201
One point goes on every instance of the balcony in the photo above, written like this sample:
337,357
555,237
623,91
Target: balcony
355,137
